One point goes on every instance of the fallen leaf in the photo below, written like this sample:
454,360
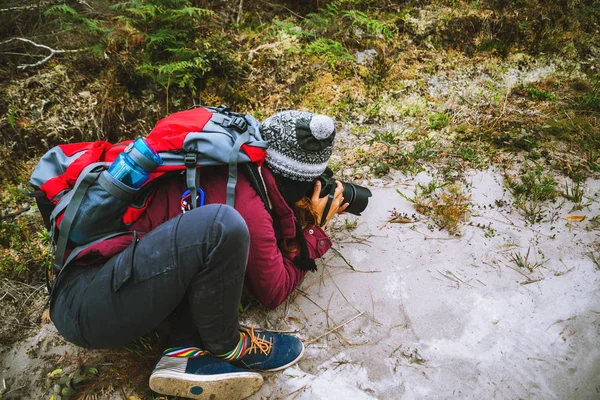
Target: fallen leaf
575,218
46,316
401,220
56,372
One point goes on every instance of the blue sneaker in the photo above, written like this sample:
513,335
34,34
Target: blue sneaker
268,351
202,376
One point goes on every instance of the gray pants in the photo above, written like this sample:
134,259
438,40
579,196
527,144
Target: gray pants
200,257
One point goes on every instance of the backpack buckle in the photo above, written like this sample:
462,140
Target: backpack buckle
190,159
238,123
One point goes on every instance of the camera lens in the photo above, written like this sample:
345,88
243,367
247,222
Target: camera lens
357,196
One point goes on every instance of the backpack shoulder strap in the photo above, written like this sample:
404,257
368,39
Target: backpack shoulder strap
256,181
70,203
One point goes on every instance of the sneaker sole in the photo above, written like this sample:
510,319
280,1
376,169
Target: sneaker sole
238,385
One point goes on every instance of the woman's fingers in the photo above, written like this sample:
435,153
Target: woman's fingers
316,192
337,205
342,209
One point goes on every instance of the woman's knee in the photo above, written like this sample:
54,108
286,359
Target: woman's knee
216,221
232,225
214,231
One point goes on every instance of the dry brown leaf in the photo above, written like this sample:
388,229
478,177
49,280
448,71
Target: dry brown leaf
46,316
575,218
401,220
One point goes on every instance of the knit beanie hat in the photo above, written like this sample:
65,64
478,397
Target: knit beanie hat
300,144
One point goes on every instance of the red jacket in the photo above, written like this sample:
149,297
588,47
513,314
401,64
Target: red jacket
271,275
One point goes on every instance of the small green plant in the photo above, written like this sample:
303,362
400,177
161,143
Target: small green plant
523,261
499,46
575,192
530,190
424,149
591,99
381,168
69,381
540,94
594,222
350,224
489,232
329,50
387,138
322,21
11,117
468,153
334,20
290,29
370,25
593,160
438,120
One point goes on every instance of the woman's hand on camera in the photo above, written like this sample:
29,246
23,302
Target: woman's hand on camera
320,203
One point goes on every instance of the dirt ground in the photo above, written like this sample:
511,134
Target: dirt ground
403,311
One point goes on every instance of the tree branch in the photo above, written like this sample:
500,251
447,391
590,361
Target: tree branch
29,7
42,46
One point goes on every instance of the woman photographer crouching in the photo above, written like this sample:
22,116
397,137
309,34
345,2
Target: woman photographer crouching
198,261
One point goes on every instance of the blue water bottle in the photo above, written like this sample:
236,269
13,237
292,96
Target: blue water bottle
133,165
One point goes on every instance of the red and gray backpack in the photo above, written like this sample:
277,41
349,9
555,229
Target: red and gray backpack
185,140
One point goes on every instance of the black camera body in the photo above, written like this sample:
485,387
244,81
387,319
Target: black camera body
357,196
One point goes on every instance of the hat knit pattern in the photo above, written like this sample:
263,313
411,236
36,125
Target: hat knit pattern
300,143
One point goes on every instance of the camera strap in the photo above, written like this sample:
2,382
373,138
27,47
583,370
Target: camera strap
327,206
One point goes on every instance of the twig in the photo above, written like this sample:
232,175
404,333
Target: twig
372,302
503,108
340,290
516,270
339,253
287,396
312,301
434,238
336,328
560,273
13,390
15,214
531,281
356,270
29,7
240,10
326,314
329,305
42,46
453,277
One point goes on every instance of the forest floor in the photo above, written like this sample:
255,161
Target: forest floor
473,273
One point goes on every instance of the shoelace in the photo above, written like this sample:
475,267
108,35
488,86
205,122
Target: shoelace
258,343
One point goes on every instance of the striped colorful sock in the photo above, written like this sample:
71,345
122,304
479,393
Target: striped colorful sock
237,352
183,352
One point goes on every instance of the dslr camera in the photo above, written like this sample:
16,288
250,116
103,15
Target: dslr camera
357,196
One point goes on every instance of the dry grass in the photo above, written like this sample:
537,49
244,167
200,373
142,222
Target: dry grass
447,204
20,309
